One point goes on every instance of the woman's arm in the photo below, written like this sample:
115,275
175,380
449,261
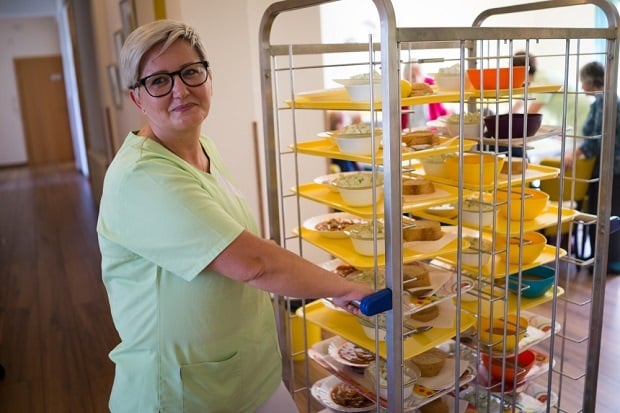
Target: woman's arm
271,268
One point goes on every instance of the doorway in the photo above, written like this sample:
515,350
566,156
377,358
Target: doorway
43,106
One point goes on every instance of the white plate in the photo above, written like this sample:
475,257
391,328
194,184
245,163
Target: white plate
321,390
327,181
445,378
311,223
334,351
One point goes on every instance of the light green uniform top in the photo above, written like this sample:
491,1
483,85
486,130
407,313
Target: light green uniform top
192,340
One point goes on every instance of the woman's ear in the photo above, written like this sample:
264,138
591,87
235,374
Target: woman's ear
135,98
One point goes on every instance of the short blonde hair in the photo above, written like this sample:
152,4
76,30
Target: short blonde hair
145,37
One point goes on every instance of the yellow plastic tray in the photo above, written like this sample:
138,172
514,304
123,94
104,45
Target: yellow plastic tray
326,148
347,326
547,218
338,99
343,248
532,173
497,304
325,195
499,270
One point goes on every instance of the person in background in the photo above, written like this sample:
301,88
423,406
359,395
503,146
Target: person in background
592,76
550,105
187,276
421,113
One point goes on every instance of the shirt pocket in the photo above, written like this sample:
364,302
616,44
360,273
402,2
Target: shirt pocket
212,386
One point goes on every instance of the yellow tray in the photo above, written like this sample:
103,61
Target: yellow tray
499,270
532,173
516,92
497,304
547,218
338,99
343,248
326,148
348,327
326,195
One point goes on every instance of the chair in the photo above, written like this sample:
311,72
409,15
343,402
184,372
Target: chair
574,190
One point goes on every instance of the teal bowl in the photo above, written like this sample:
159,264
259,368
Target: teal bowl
534,282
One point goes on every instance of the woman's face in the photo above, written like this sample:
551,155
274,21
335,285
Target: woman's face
185,107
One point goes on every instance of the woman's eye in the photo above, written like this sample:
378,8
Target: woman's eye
159,80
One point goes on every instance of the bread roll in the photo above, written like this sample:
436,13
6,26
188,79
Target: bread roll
422,230
421,89
417,186
430,362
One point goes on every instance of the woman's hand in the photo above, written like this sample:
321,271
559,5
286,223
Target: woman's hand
357,293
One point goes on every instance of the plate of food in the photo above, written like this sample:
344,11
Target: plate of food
347,353
340,396
332,225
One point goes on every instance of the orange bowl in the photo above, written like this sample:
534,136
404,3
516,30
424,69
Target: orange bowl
515,367
529,249
534,202
490,77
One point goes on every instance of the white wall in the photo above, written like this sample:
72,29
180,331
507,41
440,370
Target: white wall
20,37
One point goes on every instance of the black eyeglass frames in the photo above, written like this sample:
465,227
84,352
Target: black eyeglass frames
160,84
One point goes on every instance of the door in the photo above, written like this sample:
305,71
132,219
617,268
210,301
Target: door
43,105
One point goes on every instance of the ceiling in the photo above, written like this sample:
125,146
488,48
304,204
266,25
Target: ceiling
27,8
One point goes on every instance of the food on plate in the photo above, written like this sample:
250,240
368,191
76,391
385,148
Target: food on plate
436,406
376,76
417,186
515,165
468,118
346,395
415,275
430,362
355,129
362,179
422,230
444,210
355,354
336,224
421,89
420,137
425,315
345,269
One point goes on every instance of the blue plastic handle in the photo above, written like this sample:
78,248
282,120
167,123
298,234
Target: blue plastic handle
376,302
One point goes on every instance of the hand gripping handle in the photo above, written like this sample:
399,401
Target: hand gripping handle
375,303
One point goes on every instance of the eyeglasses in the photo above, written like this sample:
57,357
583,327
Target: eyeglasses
160,84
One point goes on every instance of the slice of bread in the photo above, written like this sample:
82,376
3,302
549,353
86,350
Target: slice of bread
427,314
430,362
420,137
421,89
422,230
417,186
436,406
415,275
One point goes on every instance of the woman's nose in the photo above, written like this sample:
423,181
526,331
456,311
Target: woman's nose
178,87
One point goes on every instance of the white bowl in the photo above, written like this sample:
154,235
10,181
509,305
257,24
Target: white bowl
446,81
434,165
410,376
356,187
358,145
478,253
478,214
362,237
470,130
361,93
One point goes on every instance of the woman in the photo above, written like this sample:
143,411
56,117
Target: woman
186,275
592,76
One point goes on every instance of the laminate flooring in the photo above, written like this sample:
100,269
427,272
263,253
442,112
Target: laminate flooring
55,325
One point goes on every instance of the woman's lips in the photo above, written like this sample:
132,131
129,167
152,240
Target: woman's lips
183,107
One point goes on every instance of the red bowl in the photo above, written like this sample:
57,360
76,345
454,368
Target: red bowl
490,77
525,361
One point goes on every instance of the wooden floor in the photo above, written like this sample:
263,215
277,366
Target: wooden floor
55,325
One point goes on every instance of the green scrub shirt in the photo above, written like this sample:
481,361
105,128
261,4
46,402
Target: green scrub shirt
192,340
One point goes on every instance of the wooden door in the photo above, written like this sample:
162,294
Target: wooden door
43,105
